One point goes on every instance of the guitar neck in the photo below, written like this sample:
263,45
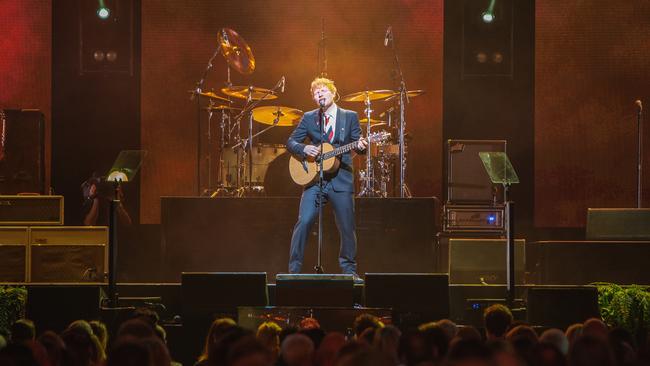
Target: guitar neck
339,150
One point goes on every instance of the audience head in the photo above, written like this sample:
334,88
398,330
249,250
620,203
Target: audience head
268,334
596,328
573,332
450,328
54,347
557,338
22,330
100,331
329,348
469,352
218,329
249,352
136,328
364,321
497,318
297,350
590,351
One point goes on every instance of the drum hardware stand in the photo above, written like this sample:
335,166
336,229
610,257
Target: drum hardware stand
639,156
367,176
246,145
197,91
403,99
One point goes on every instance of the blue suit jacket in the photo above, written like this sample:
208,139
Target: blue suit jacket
347,131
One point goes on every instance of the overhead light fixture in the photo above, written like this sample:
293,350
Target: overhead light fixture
103,12
488,14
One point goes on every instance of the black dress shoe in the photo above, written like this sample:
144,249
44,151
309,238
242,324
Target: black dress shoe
357,280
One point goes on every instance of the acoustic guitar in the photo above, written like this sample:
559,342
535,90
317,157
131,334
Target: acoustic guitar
305,171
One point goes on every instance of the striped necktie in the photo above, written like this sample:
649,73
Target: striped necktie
329,131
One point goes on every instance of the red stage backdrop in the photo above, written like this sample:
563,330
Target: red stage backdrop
178,38
26,59
591,62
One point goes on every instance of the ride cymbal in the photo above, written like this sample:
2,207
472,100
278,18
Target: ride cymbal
222,107
242,92
370,94
277,115
236,51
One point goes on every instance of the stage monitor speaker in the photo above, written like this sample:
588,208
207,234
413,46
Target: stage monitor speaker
414,297
483,261
68,253
54,307
13,253
618,224
318,290
22,151
31,210
467,180
559,307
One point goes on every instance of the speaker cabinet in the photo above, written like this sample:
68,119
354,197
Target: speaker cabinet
68,254
483,261
13,253
54,307
559,307
618,224
31,210
323,290
414,297
467,180
22,151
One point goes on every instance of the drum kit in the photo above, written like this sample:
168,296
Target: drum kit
242,165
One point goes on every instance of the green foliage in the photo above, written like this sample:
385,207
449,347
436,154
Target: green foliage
627,307
12,306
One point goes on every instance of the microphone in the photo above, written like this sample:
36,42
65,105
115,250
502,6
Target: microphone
639,105
389,30
284,81
321,102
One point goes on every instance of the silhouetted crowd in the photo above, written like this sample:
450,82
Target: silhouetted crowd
141,341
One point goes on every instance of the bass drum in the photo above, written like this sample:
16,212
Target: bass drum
278,182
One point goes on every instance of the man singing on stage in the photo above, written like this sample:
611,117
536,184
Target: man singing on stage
341,127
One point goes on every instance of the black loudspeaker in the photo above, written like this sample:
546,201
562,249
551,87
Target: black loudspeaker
559,307
31,210
222,292
106,45
319,290
487,41
414,297
54,307
210,295
585,262
467,180
618,224
483,261
22,151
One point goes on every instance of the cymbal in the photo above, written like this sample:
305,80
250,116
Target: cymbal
242,92
210,95
364,121
222,107
236,51
372,95
410,93
277,115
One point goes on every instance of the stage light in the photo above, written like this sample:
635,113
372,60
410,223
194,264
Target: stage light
98,56
488,14
111,56
102,11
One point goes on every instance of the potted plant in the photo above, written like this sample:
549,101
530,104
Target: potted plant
12,306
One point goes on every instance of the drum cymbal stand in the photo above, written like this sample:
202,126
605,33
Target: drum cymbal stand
247,144
403,100
368,176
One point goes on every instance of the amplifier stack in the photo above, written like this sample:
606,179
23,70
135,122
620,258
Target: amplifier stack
35,247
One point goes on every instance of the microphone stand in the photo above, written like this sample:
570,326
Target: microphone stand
319,267
403,99
197,91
